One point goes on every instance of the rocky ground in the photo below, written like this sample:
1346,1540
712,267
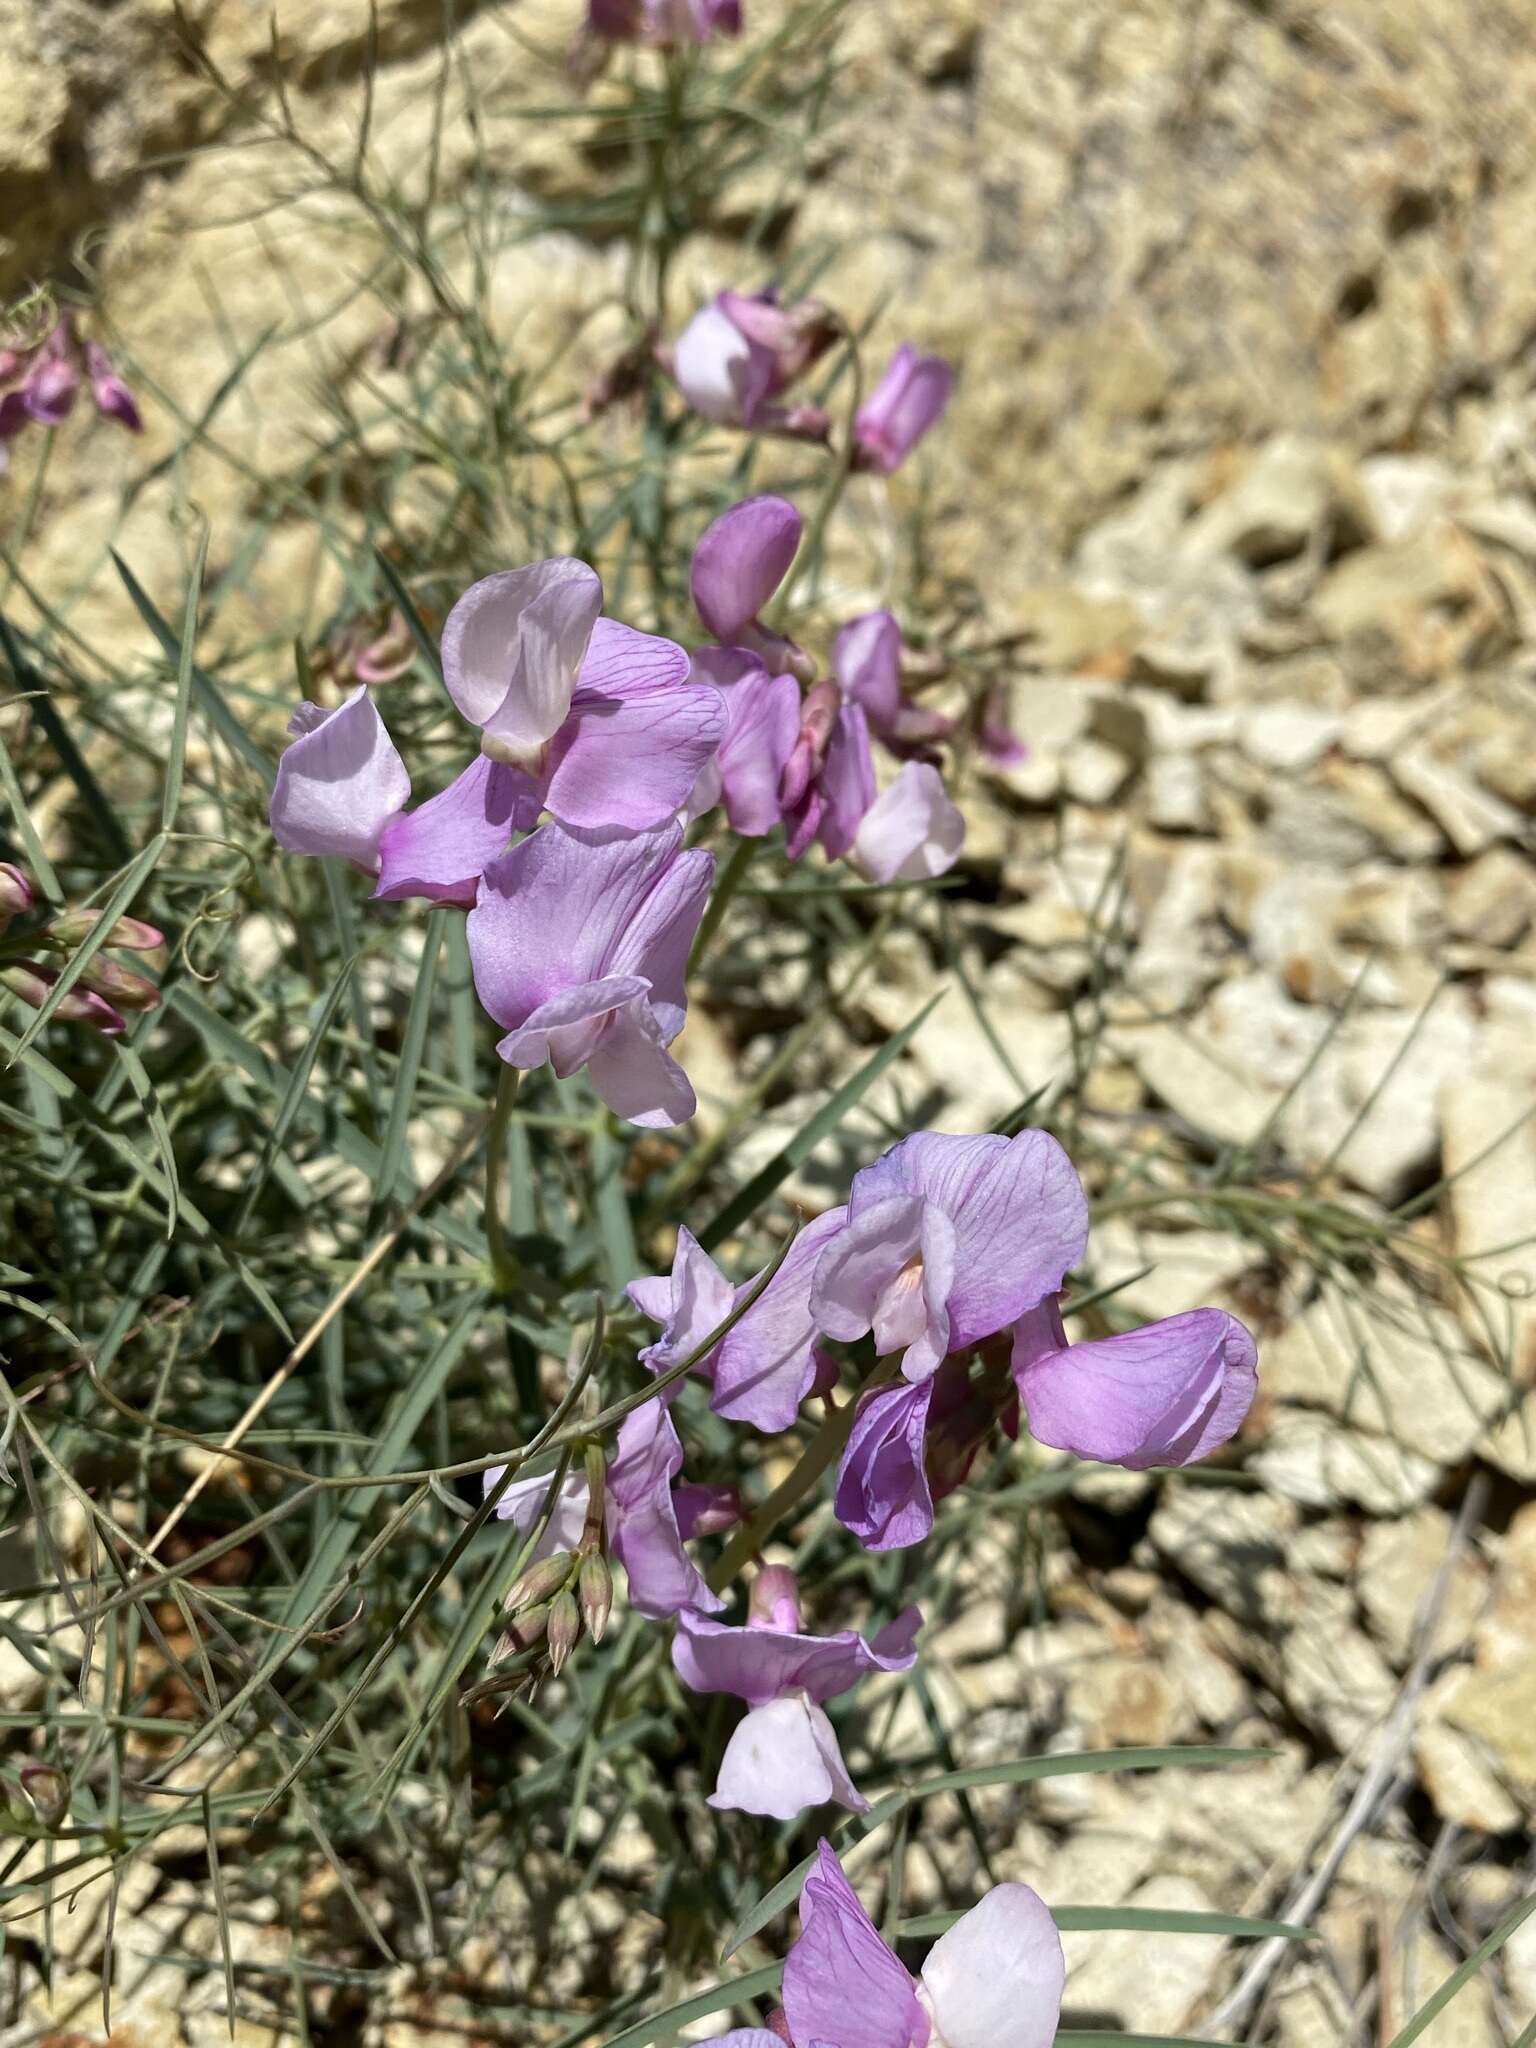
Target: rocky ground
1240,474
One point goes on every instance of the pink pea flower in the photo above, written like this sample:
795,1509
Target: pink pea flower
32,980
603,722
738,355
993,1980
910,1445
998,741
53,381
912,831
768,1361
908,400
828,785
641,1514
762,714
579,944
114,401
741,559
949,1240
783,1755
1169,1393
663,22
16,894
866,660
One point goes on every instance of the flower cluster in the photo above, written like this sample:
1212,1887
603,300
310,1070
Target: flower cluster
104,991
47,378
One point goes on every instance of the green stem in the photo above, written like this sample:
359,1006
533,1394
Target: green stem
729,881
824,1447
505,1270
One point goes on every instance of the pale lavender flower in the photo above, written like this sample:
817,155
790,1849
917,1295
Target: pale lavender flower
993,1980
783,1755
908,400
604,723
640,1513
740,561
762,715
738,354
866,660
768,1361
579,944
1167,1394
912,831
949,1240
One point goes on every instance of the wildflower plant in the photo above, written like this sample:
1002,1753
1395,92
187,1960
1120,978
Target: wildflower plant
444,1441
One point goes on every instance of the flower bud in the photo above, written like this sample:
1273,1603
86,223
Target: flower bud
523,1631
47,1791
595,1586
120,985
15,893
564,1631
30,980
774,1600
129,934
597,1488
114,401
540,1582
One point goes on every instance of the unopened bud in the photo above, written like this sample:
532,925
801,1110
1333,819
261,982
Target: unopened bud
774,1600
120,985
597,1490
541,1582
526,1629
564,1631
15,893
595,1586
129,934
30,981
47,1791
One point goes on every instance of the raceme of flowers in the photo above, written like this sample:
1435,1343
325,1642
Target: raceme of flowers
993,1980
39,383
580,926
33,955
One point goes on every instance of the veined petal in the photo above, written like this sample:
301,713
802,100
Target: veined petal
862,1263
782,1758
762,726
847,781
740,561
760,1663
634,1073
995,1979
565,1030
691,1302
642,1521
523,1503
767,1362
339,783
638,733
841,1983
907,401
512,647
866,660
441,849
1166,1394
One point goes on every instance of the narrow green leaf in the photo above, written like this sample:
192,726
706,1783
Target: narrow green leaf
209,696
1134,1920
62,741
1022,1771
403,1097
115,907
176,752
426,645
1459,1978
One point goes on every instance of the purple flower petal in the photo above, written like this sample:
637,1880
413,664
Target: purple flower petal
512,648
767,1363
847,782
759,1664
704,1510
762,726
907,401
842,1984
883,1494
441,849
743,2037
1166,1394
636,1076
995,1979
566,1028
693,1301
1020,1217
339,784
740,561
866,660
782,1758
891,1270
911,831
523,1503
642,1519
638,733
